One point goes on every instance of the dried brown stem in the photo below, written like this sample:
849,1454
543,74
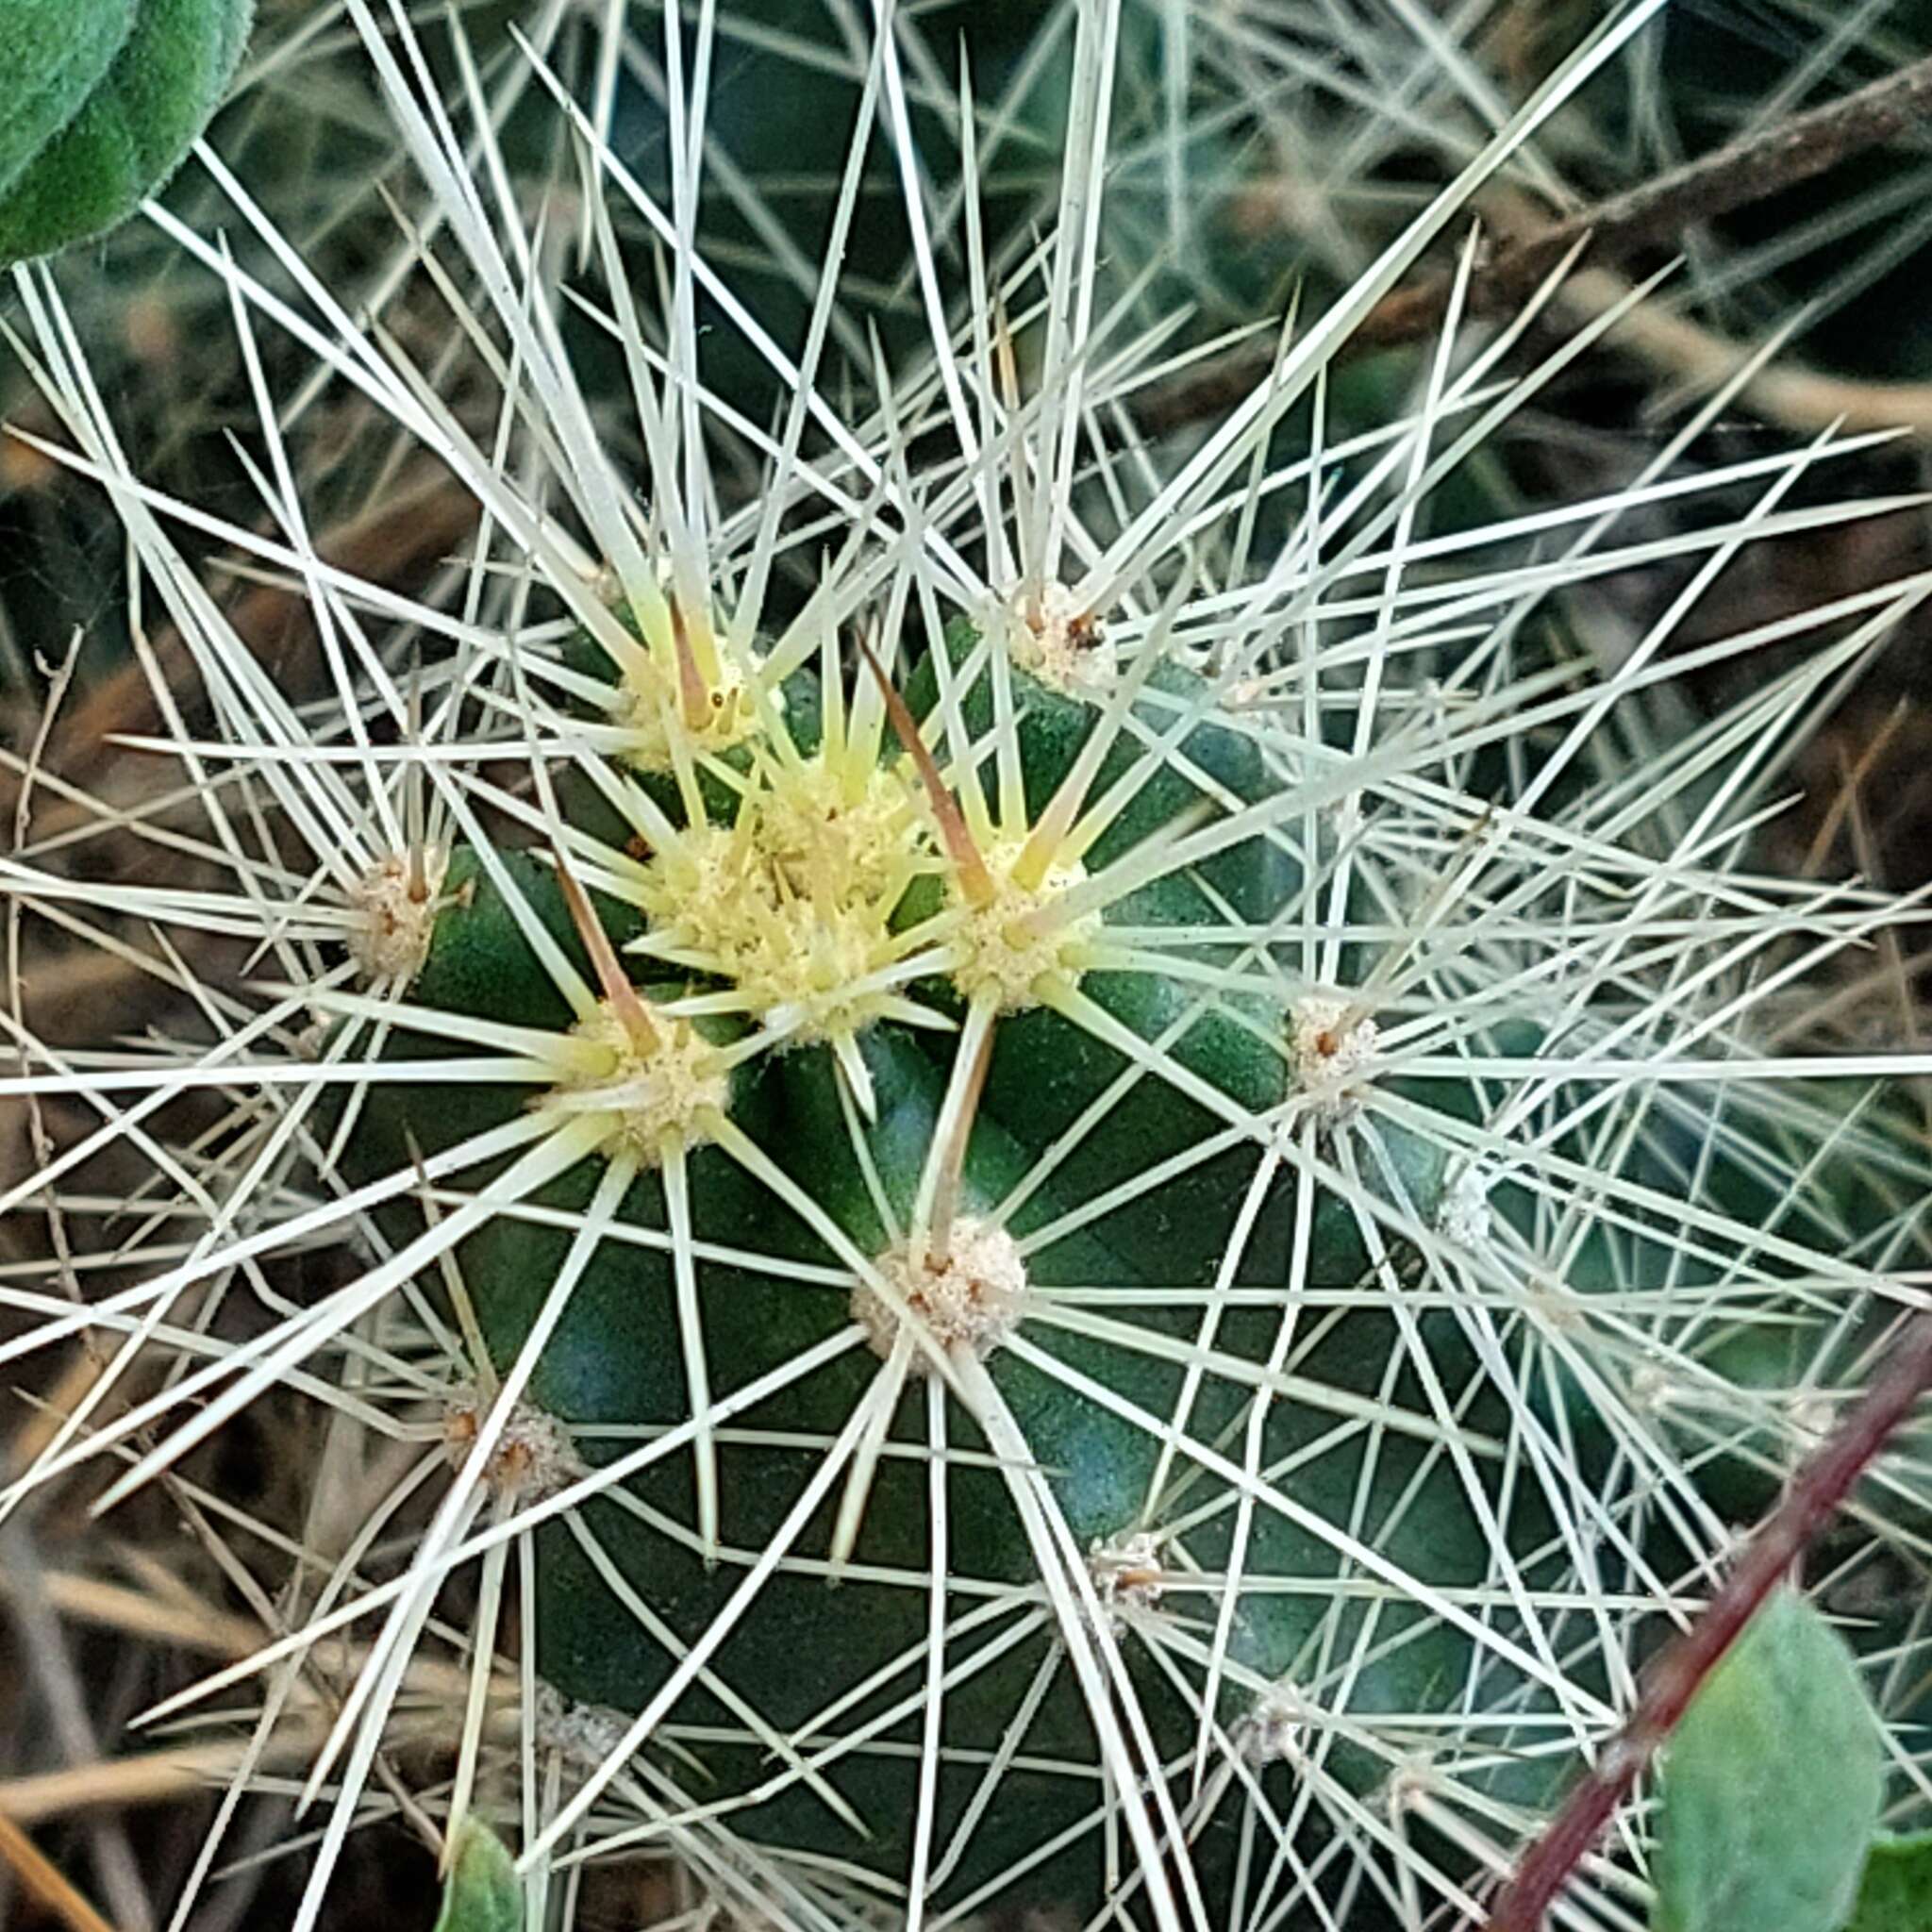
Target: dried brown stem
43,1882
1750,169
1670,1683
1694,359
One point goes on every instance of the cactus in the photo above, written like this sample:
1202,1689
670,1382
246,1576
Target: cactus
1095,1223
955,1141
1090,1213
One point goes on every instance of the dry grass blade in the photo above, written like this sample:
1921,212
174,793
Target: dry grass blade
44,1881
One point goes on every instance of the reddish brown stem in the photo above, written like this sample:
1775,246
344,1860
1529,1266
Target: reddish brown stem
42,1881
1812,1499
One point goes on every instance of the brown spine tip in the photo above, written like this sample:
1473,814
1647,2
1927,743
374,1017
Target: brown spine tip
623,997
974,880
690,680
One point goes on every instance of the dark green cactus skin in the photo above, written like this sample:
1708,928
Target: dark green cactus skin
100,100
478,963
615,1360
1258,877
1045,1073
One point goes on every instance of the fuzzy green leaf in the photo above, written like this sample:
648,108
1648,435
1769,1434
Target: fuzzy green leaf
1770,1785
56,53
1896,1894
481,1894
99,107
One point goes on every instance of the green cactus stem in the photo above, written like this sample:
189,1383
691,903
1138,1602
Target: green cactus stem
994,1228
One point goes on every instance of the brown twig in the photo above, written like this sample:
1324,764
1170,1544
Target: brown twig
1693,358
43,1882
1812,1499
1750,169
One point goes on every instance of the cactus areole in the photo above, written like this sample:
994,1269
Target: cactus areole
958,1290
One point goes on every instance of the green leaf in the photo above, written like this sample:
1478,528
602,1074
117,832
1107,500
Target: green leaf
99,106
1896,1896
54,52
481,1894
1771,1786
